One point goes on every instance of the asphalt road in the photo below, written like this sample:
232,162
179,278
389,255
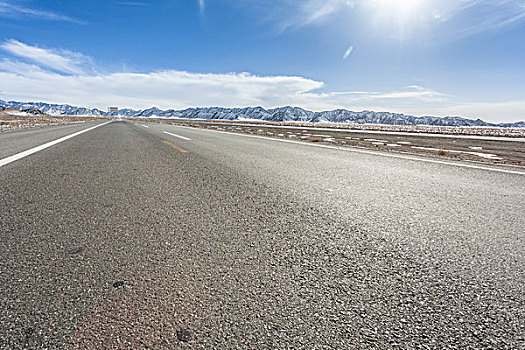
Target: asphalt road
126,236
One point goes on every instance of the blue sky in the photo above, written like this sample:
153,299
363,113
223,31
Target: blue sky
421,57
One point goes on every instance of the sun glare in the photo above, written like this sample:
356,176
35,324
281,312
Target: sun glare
404,7
401,16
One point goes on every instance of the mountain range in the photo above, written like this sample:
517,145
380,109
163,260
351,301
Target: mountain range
282,114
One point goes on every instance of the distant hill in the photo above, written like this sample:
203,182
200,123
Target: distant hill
258,113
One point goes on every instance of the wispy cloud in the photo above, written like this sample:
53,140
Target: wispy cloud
412,92
57,76
400,19
202,6
63,61
315,11
478,16
12,10
295,14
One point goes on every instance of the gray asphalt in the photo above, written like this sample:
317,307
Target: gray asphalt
116,239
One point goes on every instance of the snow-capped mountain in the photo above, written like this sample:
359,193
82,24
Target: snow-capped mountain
52,109
258,113
288,113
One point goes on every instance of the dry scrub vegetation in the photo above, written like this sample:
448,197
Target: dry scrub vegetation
12,119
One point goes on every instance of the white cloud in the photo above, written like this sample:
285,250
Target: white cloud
180,89
60,60
202,6
11,10
20,68
413,91
165,89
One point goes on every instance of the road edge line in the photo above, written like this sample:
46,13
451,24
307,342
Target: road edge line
36,149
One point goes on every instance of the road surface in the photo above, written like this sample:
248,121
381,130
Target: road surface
131,235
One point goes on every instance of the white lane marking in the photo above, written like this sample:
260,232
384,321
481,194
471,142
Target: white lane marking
181,137
356,150
144,125
24,154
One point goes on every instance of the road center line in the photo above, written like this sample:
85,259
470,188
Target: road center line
181,137
24,154
181,150
357,150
